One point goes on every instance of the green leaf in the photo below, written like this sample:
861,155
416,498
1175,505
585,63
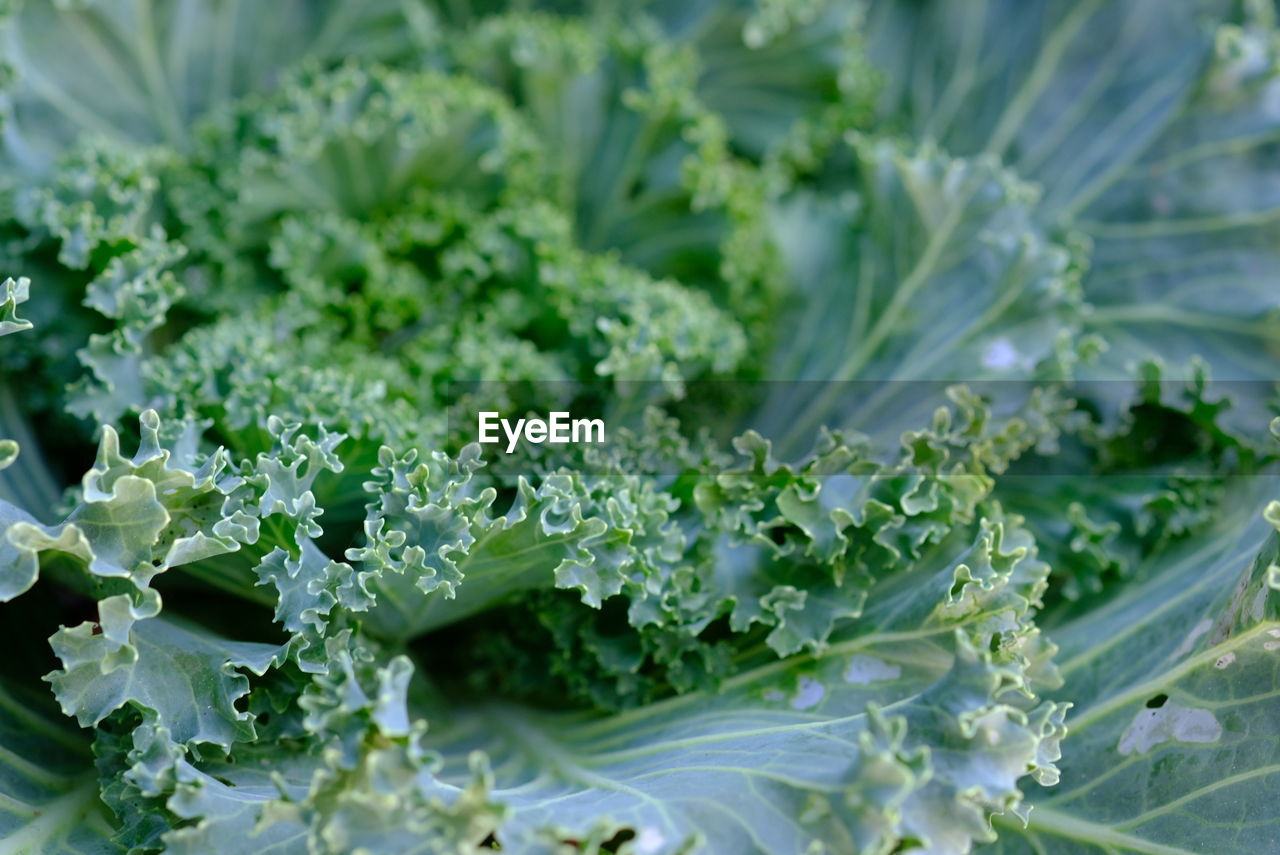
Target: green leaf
159,667
49,801
1135,481
142,72
634,156
1154,154
138,517
1171,745
430,533
826,747
896,228
915,723
766,66
13,292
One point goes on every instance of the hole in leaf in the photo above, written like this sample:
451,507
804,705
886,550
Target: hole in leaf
615,842
1155,702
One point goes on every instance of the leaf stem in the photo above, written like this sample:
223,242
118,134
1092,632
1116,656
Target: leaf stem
1063,825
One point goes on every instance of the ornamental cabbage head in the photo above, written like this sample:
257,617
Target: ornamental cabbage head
936,347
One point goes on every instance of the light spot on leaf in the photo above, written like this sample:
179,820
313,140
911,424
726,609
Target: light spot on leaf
810,692
1000,355
1168,723
1187,643
1258,607
649,841
1224,660
868,669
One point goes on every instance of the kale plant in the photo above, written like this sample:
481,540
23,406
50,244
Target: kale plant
936,344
